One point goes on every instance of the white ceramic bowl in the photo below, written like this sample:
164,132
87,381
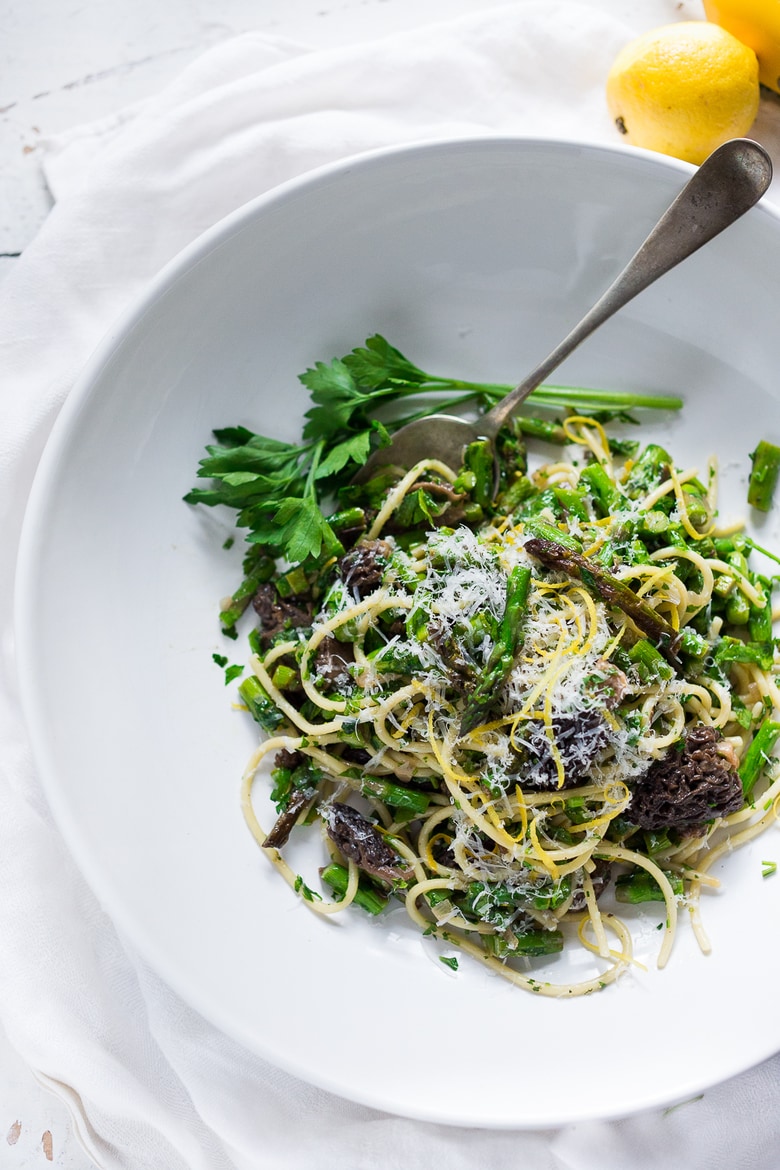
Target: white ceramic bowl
474,257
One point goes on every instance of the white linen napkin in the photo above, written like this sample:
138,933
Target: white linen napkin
150,1083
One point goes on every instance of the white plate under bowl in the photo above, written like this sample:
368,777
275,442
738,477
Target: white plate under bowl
473,257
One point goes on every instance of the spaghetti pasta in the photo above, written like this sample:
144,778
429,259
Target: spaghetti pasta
504,713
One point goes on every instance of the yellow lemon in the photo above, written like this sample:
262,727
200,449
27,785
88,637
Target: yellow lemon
756,23
684,89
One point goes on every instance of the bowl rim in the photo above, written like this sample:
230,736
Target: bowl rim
49,465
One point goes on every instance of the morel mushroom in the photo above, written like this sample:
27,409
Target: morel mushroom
332,661
362,568
360,841
693,784
277,615
285,822
579,738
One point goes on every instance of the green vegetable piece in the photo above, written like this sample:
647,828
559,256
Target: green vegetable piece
651,469
654,523
479,459
552,896
737,559
758,754
259,704
531,943
723,585
760,621
465,482
724,545
396,795
395,659
657,842
738,609
282,787
301,888
549,532
625,447
734,650
367,897
503,653
348,519
609,589
284,676
518,491
544,501
636,552
763,476
572,502
650,664
693,645
497,903
641,886
417,623
542,428
292,583
576,809
436,897
600,487
258,569
698,510
419,508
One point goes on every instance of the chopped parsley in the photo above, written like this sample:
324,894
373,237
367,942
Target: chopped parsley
301,888
231,671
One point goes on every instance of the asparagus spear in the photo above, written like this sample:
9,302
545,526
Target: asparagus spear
503,653
542,428
651,468
396,795
601,488
369,899
650,664
763,477
480,460
641,886
758,754
607,588
260,706
530,942
760,623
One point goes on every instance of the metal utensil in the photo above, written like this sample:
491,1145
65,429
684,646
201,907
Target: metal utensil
725,186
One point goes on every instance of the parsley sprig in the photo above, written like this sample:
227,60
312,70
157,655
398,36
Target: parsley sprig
278,489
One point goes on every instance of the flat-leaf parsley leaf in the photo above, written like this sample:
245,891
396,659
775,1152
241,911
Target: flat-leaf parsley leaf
278,489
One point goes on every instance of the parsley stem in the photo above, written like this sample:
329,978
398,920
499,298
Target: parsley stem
318,448
764,551
545,395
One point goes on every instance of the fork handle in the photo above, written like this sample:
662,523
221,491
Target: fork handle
727,184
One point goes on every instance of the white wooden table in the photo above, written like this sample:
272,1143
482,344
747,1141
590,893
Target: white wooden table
64,62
